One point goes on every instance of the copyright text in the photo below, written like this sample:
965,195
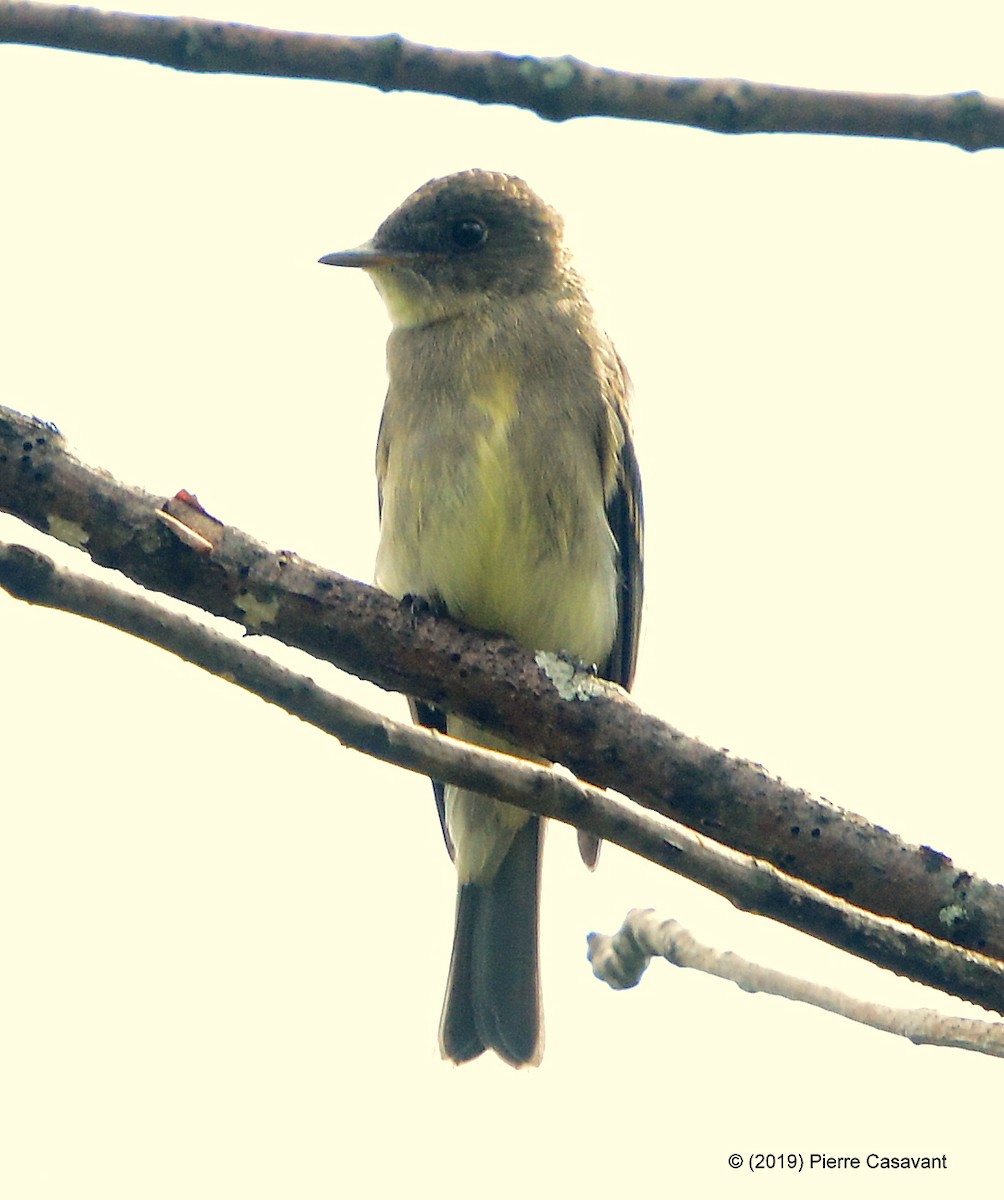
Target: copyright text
873,1161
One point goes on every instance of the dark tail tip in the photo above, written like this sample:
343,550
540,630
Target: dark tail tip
493,994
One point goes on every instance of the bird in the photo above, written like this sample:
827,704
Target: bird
510,498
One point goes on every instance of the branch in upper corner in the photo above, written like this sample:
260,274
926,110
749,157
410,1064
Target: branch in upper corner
752,886
621,959
602,735
554,88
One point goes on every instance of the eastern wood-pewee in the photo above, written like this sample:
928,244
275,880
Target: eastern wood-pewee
509,494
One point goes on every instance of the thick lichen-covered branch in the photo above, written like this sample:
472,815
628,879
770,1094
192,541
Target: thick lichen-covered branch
751,885
606,739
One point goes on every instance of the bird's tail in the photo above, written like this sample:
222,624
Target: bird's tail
493,994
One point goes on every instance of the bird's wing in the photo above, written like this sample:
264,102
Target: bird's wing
625,516
626,520
430,717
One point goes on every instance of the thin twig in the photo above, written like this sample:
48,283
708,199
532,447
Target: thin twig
621,959
557,89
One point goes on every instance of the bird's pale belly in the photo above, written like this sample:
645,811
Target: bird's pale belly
491,547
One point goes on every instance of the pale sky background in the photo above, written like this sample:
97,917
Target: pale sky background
224,957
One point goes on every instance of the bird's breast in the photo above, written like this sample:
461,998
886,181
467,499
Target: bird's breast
499,511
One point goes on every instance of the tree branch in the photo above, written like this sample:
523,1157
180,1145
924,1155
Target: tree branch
556,89
752,886
590,726
620,960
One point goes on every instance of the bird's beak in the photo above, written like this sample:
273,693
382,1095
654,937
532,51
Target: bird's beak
365,256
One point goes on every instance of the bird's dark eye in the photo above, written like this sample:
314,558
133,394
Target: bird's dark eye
468,234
